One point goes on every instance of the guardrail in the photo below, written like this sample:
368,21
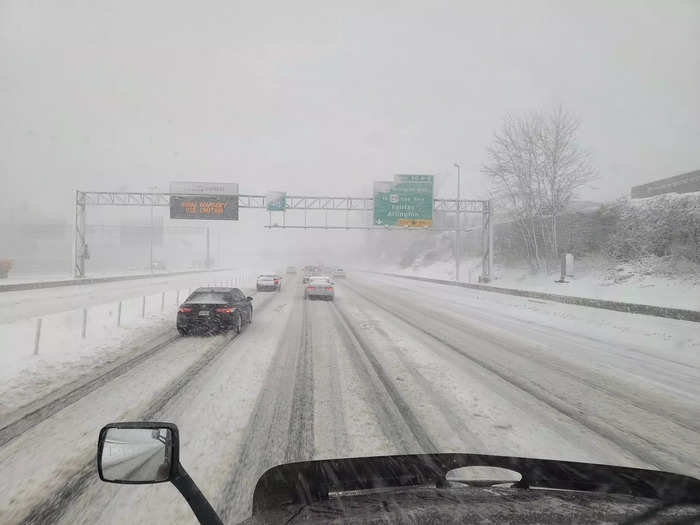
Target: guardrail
96,280
67,329
633,308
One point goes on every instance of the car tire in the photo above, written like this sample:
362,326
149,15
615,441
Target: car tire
182,331
250,316
238,324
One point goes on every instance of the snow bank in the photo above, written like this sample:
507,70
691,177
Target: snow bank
29,370
593,278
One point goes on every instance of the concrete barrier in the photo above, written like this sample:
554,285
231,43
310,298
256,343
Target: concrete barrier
633,308
97,280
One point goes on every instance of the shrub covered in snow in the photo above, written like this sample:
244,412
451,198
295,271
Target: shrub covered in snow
657,226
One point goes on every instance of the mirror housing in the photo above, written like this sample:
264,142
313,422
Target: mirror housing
149,452
249,298
138,452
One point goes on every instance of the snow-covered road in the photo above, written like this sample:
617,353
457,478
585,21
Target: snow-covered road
392,366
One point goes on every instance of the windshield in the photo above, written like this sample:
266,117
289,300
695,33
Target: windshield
209,297
513,187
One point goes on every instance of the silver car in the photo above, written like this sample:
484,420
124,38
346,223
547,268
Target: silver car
320,288
269,282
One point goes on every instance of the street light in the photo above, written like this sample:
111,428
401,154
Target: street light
150,256
457,210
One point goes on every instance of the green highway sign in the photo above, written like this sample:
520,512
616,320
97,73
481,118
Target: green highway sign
276,201
405,201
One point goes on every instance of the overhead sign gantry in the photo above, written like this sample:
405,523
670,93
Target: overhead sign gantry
396,205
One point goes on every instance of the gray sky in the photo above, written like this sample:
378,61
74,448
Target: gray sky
312,97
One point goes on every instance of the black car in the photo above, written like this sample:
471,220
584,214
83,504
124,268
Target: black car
212,310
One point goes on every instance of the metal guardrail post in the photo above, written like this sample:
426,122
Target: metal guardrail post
143,306
82,333
119,314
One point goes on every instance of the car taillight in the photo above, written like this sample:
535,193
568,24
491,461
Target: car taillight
225,310
310,287
329,288
276,281
184,310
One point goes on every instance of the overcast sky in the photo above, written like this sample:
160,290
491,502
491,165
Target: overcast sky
326,97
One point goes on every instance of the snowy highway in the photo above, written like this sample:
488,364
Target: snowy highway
391,366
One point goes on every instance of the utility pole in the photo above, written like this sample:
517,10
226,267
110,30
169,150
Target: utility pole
150,248
207,261
457,232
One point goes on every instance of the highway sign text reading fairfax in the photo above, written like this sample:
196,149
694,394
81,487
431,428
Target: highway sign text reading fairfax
405,201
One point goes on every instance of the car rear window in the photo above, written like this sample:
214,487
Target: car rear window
208,297
320,281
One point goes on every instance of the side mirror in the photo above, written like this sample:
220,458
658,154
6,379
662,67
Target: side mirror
149,452
138,452
249,298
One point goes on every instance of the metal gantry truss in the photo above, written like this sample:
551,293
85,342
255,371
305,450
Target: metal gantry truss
293,202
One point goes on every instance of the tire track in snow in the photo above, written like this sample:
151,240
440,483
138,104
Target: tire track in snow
396,413
634,443
280,427
52,507
301,422
18,426
53,402
562,337
447,407
330,424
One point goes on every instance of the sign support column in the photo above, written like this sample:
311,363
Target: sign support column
458,248
487,236
80,244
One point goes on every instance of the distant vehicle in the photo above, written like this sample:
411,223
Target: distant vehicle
158,265
320,287
269,282
339,273
292,270
310,271
212,310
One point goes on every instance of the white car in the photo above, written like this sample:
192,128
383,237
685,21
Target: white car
320,288
269,282
339,273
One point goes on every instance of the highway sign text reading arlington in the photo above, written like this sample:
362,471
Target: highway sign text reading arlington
405,201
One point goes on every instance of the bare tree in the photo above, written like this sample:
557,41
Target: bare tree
536,166
513,167
565,167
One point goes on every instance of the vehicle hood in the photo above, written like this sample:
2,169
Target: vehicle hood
346,488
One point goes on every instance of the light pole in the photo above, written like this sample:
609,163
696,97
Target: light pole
150,255
458,210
